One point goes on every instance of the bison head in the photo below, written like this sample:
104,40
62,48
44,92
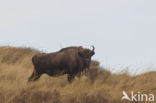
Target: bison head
86,54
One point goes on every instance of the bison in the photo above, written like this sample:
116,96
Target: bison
70,61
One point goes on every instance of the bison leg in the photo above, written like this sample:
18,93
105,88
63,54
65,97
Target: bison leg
71,77
37,76
31,77
34,76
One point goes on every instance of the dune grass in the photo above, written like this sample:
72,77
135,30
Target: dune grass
95,86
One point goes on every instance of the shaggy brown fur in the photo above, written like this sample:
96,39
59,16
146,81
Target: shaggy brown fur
70,60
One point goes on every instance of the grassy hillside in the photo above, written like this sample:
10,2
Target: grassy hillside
96,86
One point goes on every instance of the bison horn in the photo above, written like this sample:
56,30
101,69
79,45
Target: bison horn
93,47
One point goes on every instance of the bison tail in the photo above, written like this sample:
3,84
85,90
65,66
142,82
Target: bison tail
33,59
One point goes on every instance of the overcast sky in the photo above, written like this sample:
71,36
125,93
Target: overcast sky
122,31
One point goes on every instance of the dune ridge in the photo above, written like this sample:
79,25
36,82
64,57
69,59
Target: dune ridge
98,85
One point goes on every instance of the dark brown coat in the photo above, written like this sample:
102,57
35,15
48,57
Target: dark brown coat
70,60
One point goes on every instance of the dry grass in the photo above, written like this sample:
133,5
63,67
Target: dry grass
96,86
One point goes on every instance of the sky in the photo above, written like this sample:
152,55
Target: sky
122,31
